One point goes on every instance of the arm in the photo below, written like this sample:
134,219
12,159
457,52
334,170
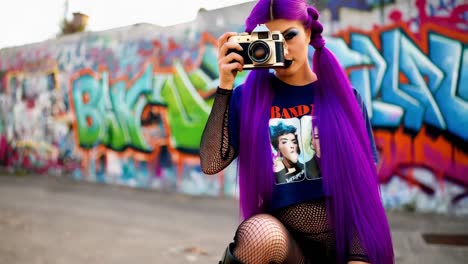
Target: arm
367,121
215,151
357,255
356,252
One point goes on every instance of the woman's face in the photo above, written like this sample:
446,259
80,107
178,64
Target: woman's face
297,40
288,148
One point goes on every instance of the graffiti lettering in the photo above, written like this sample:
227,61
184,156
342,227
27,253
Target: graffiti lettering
407,87
111,115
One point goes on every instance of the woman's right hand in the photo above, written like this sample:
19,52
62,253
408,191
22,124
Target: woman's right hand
228,64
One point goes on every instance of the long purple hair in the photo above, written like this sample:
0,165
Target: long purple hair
349,174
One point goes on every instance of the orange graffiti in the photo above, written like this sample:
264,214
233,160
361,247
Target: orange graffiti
400,151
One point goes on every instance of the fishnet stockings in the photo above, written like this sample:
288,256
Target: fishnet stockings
296,234
263,239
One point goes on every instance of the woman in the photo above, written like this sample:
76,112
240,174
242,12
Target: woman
336,216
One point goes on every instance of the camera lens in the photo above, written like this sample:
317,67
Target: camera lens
259,52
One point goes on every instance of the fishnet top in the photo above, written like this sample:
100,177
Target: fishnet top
307,222
215,151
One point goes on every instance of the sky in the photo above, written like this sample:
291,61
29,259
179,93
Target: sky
29,21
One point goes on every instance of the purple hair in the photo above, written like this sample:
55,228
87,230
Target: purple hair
347,166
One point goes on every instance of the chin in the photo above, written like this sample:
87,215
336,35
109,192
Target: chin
286,72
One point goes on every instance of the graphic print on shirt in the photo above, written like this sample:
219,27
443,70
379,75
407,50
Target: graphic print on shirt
294,149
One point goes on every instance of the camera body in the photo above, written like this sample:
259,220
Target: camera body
261,49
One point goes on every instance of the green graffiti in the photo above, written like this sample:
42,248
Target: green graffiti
111,115
187,111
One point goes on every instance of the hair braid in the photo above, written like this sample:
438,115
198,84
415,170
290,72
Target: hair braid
316,39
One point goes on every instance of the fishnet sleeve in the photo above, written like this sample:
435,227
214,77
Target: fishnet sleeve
356,249
215,151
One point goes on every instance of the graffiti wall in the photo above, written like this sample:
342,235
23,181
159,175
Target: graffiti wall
128,106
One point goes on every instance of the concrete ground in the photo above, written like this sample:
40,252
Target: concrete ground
48,220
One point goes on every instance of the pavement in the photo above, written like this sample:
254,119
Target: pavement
56,220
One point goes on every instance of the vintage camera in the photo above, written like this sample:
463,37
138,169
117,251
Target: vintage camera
262,49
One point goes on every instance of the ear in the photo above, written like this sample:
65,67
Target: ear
308,32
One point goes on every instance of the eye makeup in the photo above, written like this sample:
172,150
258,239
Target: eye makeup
290,33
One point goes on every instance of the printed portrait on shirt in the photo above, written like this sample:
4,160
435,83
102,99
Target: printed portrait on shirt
293,149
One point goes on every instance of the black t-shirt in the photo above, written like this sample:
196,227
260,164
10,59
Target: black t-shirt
295,150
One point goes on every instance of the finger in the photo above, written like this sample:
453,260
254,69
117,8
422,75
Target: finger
223,39
231,67
232,57
223,50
